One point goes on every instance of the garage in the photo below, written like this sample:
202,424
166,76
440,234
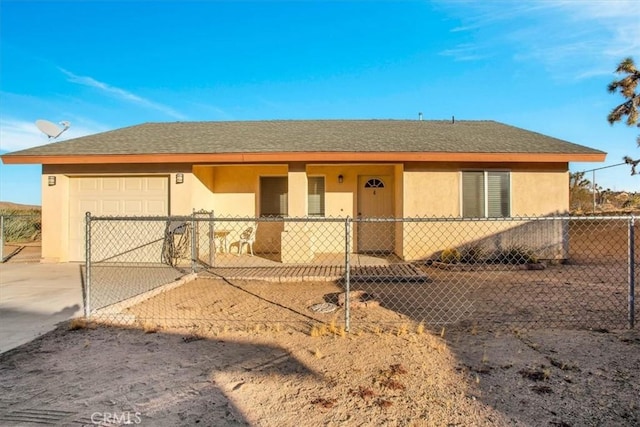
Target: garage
112,196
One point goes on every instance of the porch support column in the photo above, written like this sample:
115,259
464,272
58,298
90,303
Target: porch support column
298,188
296,242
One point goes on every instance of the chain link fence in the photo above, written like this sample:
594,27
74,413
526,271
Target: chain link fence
363,274
20,235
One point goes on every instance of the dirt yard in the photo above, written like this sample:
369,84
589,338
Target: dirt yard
273,377
229,353
560,296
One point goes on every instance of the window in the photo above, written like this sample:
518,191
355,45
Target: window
273,196
485,194
374,183
315,195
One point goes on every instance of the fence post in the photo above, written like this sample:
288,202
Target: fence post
632,272
1,238
87,265
193,242
347,274
212,245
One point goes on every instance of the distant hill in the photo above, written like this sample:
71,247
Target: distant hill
10,206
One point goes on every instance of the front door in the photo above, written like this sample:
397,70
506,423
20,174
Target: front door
375,200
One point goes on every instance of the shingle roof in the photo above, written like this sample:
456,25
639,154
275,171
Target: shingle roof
311,136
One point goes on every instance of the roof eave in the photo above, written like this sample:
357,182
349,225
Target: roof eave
271,157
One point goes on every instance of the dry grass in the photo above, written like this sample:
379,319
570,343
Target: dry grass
324,402
403,329
318,331
21,225
383,403
192,337
79,323
392,384
536,374
363,392
327,329
150,328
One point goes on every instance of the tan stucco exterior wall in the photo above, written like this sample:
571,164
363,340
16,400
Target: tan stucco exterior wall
435,191
55,218
201,196
431,193
339,197
305,241
180,195
56,199
399,189
539,192
235,189
297,200
426,240
420,189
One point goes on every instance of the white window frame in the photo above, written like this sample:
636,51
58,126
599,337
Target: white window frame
486,173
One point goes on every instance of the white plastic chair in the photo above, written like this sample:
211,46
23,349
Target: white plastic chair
247,237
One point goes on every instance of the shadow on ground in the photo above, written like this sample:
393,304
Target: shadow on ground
77,377
21,326
556,377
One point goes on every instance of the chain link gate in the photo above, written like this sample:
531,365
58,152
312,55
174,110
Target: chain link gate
363,273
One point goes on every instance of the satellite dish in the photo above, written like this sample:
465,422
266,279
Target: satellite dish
50,129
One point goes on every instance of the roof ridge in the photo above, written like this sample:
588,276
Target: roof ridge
318,121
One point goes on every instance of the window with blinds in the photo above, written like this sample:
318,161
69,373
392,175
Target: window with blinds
315,195
485,194
273,196
498,194
473,194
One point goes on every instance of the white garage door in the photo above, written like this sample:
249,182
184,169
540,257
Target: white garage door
112,196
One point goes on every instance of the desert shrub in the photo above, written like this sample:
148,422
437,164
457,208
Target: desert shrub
473,253
450,256
517,255
21,226
633,202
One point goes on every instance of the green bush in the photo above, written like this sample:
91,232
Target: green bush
473,253
450,256
517,255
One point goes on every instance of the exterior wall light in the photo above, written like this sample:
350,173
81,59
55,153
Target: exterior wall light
179,178
51,180
340,179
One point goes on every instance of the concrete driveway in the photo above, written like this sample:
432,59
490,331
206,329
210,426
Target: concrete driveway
35,297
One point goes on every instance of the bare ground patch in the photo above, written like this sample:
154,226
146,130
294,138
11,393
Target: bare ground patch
276,378
268,377
555,377
507,377
566,296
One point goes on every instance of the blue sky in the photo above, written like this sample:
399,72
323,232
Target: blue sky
539,65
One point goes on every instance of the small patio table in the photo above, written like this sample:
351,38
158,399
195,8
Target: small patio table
221,237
